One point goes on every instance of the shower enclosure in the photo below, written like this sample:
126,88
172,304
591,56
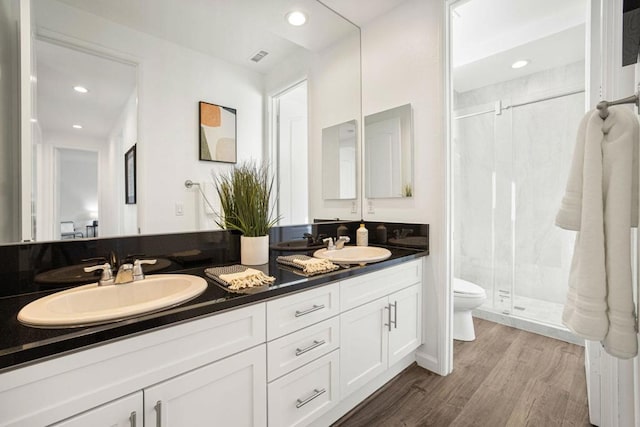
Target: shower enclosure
511,159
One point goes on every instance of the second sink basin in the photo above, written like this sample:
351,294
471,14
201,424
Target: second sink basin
92,304
354,254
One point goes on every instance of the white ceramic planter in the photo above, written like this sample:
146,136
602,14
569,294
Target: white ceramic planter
254,250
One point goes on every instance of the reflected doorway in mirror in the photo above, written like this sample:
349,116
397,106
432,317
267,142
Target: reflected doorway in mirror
217,133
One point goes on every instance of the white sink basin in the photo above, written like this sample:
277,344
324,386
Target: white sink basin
354,254
93,304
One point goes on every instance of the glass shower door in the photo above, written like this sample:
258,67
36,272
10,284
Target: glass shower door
483,232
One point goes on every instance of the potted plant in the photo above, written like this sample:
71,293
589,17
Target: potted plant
246,205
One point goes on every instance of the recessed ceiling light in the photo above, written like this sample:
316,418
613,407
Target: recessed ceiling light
77,126
519,64
296,18
80,89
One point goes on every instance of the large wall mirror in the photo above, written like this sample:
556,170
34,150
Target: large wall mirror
388,147
339,151
132,72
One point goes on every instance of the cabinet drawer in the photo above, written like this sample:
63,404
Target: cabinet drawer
305,394
363,289
294,350
288,314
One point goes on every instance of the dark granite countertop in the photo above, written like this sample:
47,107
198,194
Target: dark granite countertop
21,345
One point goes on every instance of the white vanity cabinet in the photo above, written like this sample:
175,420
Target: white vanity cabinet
378,332
303,330
123,412
306,358
230,392
167,365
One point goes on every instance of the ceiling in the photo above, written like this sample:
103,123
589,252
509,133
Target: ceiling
489,35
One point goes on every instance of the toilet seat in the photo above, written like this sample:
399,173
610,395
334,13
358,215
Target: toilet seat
465,289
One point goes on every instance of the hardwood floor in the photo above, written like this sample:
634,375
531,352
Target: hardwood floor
506,377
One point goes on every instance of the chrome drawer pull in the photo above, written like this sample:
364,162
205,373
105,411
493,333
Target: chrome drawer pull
315,344
315,394
132,419
158,409
309,310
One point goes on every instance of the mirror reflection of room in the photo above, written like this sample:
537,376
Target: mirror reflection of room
388,141
339,145
83,121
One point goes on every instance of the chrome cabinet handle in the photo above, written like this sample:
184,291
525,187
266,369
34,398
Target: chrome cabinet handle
395,315
388,324
158,409
316,393
309,310
316,343
132,419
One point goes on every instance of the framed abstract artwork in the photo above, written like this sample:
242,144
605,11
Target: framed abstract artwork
217,133
130,176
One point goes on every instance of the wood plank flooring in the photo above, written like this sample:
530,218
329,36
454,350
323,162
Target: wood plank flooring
506,377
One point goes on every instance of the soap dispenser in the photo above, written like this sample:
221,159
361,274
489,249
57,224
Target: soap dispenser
362,236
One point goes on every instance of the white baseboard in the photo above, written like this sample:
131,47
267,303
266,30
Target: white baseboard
428,362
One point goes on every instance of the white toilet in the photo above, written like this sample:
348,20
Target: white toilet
466,297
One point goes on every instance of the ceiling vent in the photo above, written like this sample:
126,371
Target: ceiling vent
258,56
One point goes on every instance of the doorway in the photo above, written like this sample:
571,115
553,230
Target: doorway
289,159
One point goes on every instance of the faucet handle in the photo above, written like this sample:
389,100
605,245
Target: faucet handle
107,275
329,242
138,274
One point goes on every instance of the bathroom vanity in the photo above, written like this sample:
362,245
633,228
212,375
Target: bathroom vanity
306,351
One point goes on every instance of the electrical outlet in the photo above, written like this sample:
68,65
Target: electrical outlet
354,207
179,208
370,209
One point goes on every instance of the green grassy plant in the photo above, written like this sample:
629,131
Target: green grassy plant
245,200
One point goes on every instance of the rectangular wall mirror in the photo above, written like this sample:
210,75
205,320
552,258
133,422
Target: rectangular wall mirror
339,161
388,146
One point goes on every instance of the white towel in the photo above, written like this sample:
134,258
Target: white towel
601,203
247,279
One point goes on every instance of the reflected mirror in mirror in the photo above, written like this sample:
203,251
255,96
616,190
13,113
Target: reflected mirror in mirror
339,161
388,146
233,53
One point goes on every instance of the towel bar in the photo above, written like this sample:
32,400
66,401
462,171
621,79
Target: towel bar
603,106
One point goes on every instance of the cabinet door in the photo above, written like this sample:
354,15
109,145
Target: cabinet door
363,345
230,392
123,412
406,331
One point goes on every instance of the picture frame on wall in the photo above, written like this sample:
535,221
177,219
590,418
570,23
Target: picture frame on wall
130,176
218,128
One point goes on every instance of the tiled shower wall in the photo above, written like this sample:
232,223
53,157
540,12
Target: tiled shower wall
510,171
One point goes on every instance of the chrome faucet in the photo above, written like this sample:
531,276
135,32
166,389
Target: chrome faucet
337,244
128,272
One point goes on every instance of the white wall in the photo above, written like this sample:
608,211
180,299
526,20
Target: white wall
116,217
172,80
334,98
402,62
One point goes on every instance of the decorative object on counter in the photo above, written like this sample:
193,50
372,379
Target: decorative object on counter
343,230
237,277
308,265
217,133
245,199
362,236
381,234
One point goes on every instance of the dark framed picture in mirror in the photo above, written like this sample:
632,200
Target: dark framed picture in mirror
130,176
217,133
